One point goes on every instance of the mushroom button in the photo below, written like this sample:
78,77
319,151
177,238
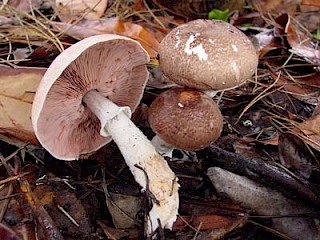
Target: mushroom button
207,55
185,118
85,99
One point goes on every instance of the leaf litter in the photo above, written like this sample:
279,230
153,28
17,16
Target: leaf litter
268,152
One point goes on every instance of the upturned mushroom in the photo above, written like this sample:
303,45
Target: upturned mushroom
85,100
207,55
185,119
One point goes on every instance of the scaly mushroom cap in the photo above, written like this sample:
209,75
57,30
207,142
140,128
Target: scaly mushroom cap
207,55
185,118
113,65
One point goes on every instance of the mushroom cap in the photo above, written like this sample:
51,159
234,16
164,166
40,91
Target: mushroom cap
185,118
113,65
207,55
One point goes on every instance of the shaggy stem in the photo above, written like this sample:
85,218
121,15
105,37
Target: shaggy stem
137,150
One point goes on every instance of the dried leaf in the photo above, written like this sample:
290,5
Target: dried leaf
7,234
311,131
265,201
70,10
64,207
310,5
25,6
301,42
206,222
298,90
292,156
113,233
123,209
276,6
20,54
87,28
17,88
5,21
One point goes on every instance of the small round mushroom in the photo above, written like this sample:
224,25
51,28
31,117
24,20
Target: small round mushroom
207,55
185,118
85,100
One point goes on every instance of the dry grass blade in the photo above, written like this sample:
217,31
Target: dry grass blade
6,202
38,25
275,232
260,96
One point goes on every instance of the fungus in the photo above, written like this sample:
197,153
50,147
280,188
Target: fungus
186,119
207,55
85,100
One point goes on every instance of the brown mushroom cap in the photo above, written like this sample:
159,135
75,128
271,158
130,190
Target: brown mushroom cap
185,118
207,55
113,65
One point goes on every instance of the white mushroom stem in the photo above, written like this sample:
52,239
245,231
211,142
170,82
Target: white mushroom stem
148,167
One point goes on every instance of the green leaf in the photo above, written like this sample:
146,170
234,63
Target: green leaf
219,14
316,34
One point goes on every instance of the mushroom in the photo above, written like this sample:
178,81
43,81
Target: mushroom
207,55
85,100
185,118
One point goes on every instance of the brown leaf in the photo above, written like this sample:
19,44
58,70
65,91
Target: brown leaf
63,205
301,43
123,209
206,222
7,234
275,6
25,6
87,28
72,10
303,92
310,5
114,233
292,156
17,88
311,131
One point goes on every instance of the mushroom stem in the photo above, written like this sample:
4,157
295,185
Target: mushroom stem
148,167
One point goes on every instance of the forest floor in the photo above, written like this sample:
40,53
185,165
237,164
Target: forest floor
259,180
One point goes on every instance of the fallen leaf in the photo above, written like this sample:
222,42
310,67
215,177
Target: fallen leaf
64,207
123,209
310,5
113,233
275,6
20,54
311,131
303,90
301,42
206,222
25,6
5,21
293,156
265,201
17,89
87,28
7,234
70,10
